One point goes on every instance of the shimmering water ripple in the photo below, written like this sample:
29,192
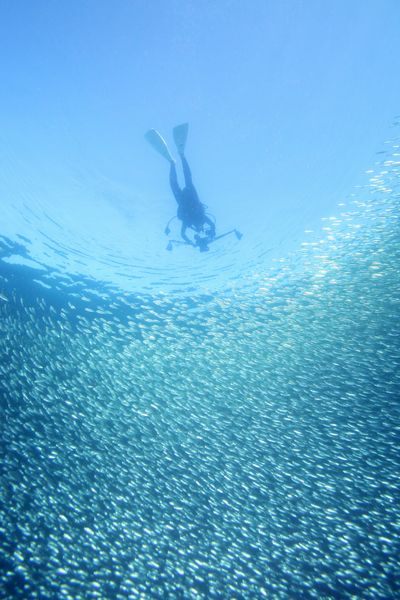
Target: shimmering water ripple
239,446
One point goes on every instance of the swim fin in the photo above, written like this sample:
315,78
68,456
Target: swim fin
180,133
159,144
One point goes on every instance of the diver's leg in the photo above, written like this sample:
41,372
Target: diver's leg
186,171
173,180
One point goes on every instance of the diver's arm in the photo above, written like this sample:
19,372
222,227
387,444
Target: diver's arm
173,180
184,236
211,225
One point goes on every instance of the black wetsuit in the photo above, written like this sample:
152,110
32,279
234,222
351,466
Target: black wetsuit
190,210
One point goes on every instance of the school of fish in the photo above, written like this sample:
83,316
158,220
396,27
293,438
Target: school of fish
244,445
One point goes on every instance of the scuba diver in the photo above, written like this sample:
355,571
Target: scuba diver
191,212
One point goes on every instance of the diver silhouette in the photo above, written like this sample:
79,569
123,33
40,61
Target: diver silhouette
191,212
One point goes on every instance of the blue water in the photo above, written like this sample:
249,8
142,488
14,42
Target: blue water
177,424
229,431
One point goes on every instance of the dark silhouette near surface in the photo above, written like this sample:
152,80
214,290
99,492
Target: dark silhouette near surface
191,212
